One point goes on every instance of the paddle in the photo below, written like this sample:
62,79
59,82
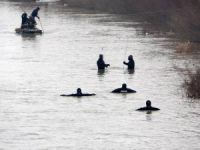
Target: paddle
41,25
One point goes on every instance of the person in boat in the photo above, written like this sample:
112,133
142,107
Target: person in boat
79,93
131,63
148,107
123,89
34,14
101,64
25,21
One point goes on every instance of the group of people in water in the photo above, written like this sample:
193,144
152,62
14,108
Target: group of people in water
131,67
102,65
30,22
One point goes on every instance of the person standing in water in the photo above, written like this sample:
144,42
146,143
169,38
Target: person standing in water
101,64
131,63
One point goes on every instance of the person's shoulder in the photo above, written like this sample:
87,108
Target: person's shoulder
87,94
68,95
154,108
147,109
131,90
116,90
141,109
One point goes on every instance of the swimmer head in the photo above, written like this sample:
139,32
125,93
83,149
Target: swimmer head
79,91
148,103
124,86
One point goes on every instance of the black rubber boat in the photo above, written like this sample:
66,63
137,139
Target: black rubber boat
28,31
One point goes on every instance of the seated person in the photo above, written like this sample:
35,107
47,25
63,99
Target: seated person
123,89
148,107
131,63
100,63
79,94
25,21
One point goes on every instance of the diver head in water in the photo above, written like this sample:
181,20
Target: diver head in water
124,86
148,107
79,92
148,103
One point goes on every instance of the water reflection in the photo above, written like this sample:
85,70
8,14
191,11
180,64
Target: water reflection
101,72
149,115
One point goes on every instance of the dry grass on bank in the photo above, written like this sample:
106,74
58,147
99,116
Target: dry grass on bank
192,85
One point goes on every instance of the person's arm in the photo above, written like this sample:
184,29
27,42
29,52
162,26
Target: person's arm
125,63
130,90
87,94
154,108
141,109
68,95
106,65
117,90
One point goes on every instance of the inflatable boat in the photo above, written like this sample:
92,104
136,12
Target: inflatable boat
28,31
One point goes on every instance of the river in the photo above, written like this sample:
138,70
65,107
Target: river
35,70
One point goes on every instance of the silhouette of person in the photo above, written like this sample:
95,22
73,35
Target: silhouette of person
148,107
123,89
33,15
25,21
131,63
100,63
79,94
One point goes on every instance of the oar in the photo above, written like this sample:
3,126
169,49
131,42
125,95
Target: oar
41,25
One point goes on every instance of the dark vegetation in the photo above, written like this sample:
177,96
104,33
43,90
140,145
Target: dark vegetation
192,85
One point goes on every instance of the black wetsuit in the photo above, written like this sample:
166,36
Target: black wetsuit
78,95
101,64
121,90
148,109
33,15
24,21
130,64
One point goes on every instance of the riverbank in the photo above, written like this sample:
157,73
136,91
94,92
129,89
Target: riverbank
179,16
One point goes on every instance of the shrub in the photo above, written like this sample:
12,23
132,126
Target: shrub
192,85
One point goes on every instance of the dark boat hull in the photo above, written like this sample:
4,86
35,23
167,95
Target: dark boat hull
28,31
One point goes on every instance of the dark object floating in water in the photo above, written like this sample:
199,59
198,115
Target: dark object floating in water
79,94
148,107
28,31
123,89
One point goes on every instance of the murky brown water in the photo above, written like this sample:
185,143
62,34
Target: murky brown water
35,70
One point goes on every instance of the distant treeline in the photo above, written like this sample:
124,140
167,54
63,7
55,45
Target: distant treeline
181,16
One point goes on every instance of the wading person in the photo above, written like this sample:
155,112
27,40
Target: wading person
131,63
100,63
